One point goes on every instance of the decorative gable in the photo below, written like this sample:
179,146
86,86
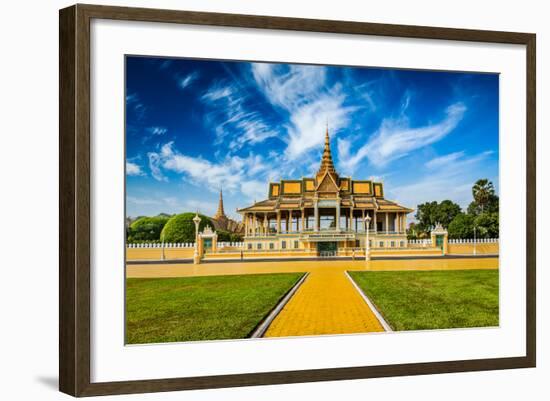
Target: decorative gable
274,190
327,184
378,190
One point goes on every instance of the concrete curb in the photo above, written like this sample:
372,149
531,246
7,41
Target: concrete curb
264,325
373,308
305,259
159,262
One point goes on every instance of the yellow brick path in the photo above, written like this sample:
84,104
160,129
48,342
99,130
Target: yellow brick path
327,302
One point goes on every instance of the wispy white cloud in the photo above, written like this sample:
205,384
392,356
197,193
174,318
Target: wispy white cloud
365,94
302,91
178,204
440,161
202,206
218,91
133,169
142,201
157,130
253,130
308,123
233,173
232,119
155,166
165,64
172,204
289,86
134,104
254,189
395,138
446,177
188,80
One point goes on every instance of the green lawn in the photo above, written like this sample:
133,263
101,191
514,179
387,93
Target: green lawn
201,308
417,300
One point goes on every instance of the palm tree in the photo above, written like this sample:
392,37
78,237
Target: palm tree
482,191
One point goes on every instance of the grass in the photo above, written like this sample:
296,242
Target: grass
419,300
162,310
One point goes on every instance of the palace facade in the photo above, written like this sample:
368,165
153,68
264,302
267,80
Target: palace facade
324,213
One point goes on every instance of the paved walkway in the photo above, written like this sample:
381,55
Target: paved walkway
327,302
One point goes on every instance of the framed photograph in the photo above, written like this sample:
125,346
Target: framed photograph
250,200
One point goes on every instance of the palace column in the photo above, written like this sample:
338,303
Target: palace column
302,226
338,215
278,221
398,227
347,222
265,223
363,218
387,223
288,219
260,225
375,223
316,208
352,226
254,223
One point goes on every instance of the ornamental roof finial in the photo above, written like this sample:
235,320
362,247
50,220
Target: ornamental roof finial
326,161
220,212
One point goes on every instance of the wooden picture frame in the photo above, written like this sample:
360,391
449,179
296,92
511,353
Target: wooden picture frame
75,207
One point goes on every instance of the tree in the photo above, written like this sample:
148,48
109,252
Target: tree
446,211
462,226
181,228
412,231
236,237
425,215
227,236
492,206
487,225
430,213
223,236
146,229
482,192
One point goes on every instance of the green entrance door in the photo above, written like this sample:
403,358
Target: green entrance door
327,249
207,244
439,241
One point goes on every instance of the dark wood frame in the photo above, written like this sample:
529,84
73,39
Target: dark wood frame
74,199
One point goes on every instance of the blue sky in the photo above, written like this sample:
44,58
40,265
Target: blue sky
195,126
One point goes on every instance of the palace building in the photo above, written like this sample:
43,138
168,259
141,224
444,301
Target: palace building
325,213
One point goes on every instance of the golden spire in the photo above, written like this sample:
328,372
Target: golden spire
220,212
326,161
